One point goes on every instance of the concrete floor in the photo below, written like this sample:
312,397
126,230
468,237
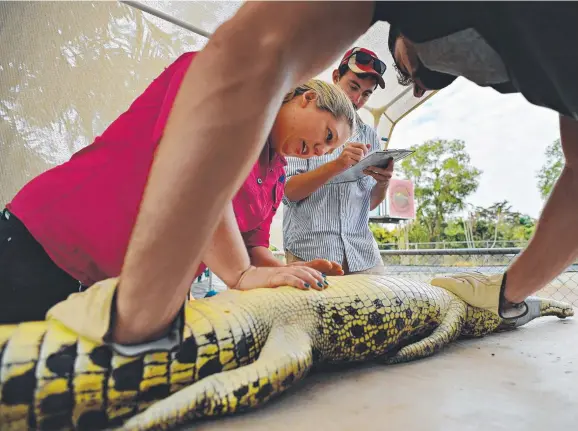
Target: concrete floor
522,380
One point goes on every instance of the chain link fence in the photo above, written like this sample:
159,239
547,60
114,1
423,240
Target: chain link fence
456,244
423,265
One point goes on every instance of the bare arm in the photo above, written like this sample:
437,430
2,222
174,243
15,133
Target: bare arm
262,256
184,199
382,176
300,186
378,193
226,254
554,244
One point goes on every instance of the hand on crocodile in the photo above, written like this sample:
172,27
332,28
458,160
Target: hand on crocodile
482,291
301,277
324,266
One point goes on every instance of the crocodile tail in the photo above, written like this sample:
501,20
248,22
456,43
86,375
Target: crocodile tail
20,346
285,359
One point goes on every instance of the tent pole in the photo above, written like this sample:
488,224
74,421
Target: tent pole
166,17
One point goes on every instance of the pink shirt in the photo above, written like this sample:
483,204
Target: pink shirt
82,212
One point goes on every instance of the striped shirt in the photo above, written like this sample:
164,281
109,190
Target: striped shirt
333,222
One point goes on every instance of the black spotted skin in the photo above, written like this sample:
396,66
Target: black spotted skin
240,349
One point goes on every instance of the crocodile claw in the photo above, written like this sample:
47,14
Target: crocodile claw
550,307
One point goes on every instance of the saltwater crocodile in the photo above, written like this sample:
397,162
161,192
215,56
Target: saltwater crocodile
240,350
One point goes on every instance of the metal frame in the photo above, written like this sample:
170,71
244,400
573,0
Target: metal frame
167,17
452,251
376,112
386,219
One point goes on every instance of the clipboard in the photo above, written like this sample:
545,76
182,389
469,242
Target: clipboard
376,158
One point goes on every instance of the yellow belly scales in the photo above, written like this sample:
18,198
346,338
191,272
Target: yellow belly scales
240,349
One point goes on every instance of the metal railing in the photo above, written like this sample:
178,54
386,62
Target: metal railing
423,265
455,245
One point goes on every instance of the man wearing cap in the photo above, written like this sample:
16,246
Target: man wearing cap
330,220
267,48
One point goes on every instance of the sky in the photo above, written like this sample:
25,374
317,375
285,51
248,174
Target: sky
505,136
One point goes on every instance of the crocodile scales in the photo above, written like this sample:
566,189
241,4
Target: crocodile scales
240,350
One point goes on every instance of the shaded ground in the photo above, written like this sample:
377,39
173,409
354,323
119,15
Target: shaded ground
524,380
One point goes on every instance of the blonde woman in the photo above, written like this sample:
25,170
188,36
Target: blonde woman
70,226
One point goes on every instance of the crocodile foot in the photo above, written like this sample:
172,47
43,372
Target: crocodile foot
551,307
539,307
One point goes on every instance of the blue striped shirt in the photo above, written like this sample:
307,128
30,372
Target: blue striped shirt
333,222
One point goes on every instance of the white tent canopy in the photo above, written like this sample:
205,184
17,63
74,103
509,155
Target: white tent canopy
84,63
387,106
384,110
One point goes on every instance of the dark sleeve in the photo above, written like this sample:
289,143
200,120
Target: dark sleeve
400,12
421,21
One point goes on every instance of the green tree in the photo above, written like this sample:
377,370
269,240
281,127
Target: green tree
417,231
454,230
499,223
551,169
490,221
382,235
443,178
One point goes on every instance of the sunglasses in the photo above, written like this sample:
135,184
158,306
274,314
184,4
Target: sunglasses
365,58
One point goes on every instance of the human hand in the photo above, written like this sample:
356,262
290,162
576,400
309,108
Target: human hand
87,313
324,266
482,291
351,155
381,175
301,277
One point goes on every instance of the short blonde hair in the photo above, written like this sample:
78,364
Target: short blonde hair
330,98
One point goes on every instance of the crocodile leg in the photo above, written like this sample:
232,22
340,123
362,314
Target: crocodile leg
285,359
448,330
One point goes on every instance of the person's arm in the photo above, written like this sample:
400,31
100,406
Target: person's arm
262,256
228,258
554,245
257,243
222,114
226,254
300,186
378,193
552,248
381,177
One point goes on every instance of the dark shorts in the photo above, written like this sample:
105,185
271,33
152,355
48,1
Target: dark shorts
30,282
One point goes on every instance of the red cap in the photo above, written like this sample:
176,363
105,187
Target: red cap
363,68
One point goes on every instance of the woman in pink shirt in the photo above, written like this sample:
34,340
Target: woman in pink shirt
69,227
